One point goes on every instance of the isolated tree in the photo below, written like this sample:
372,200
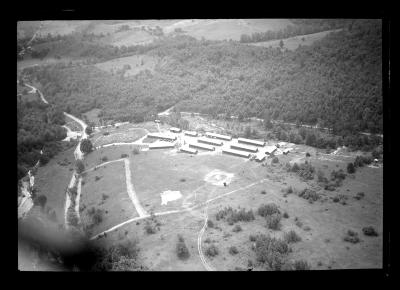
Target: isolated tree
247,132
350,168
88,130
86,146
281,44
79,166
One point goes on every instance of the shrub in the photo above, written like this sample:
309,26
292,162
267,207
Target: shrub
340,198
263,192
135,151
97,178
106,133
271,251
207,241
149,228
252,238
79,166
289,190
338,175
285,215
359,195
301,265
181,249
351,237
40,200
308,154
350,168
104,196
321,177
96,216
292,237
86,146
274,221
369,231
212,251
295,167
309,194
52,216
275,160
104,158
237,228
210,224
233,250
306,171
268,209
124,155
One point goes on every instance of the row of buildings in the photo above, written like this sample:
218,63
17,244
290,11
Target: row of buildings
243,148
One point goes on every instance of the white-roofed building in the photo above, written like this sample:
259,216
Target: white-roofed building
251,142
188,150
244,147
191,133
202,146
161,136
209,141
161,145
175,130
218,136
236,153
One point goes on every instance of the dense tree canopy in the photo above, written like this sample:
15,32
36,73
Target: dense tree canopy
336,82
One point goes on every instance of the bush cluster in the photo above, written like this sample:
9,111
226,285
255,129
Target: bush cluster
212,251
268,209
291,237
351,237
370,231
309,194
233,216
271,251
181,249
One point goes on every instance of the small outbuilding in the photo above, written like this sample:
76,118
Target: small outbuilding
191,133
175,130
270,150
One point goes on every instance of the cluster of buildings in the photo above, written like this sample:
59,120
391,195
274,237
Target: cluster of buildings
246,148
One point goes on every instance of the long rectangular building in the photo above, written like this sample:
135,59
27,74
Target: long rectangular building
191,133
202,146
188,150
251,142
161,145
175,130
236,153
244,148
219,136
209,141
161,136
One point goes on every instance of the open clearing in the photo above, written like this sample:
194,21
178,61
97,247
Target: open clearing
196,178
137,64
294,42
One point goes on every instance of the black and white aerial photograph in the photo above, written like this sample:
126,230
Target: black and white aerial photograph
219,144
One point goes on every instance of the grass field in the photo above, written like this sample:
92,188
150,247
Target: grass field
109,194
53,178
324,222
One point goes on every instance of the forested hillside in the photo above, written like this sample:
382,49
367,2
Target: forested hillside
38,128
336,82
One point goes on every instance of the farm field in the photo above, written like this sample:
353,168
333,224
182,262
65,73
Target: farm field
293,43
106,192
53,178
